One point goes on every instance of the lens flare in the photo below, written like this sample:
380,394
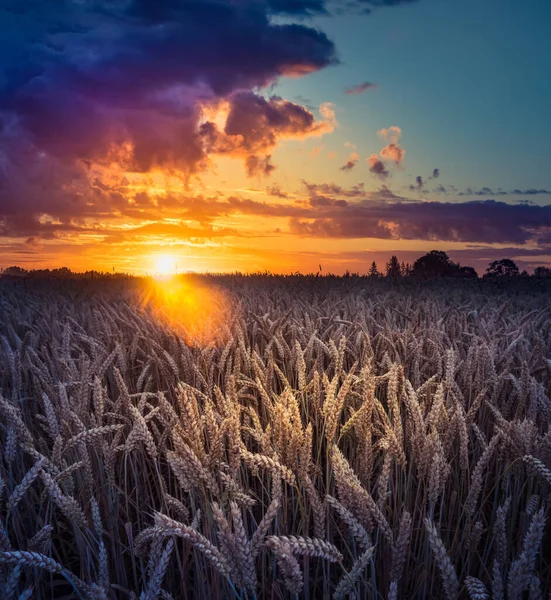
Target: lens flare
200,313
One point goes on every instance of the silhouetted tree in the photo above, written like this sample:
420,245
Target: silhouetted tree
502,268
434,264
14,272
373,270
542,272
467,273
61,272
393,268
405,269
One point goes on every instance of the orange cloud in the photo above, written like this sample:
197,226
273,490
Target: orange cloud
393,152
253,126
392,134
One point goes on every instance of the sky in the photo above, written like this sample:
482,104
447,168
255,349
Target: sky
278,135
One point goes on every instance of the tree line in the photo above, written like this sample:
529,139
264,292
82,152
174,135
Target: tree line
434,264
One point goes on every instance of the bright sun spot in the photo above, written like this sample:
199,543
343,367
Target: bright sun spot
165,265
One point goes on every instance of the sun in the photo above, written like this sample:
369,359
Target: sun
165,264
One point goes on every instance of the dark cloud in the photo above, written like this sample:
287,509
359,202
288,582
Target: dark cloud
377,166
444,189
486,191
332,189
124,85
360,88
349,165
529,192
255,124
481,222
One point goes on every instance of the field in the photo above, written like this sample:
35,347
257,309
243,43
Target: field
264,437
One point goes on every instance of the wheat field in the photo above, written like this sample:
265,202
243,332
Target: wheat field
275,438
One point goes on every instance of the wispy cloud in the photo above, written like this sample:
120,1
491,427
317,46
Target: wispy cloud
360,88
487,191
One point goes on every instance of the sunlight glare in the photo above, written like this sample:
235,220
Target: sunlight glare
165,265
199,312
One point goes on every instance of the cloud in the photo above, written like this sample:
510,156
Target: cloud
276,191
530,192
123,87
488,222
444,189
312,7
330,211
359,88
486,191
349,165
436,173
332,189
393,152
327,111
351,162
254,125
391,135
257,166
101,98
377,166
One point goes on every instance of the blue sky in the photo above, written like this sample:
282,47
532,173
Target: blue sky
467,81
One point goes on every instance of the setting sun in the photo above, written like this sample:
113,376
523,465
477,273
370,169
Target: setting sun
165,265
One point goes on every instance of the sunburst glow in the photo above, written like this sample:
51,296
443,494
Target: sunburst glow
165,265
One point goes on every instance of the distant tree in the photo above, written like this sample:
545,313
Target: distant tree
393,270
373,270
61,272
502,268
435,264
405,269
542,272
14,272
467,273
524,273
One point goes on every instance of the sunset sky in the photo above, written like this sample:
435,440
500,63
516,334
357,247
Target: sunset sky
273,134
